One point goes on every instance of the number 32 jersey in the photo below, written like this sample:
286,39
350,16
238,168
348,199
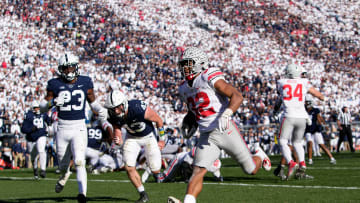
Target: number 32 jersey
74,96
203,99
293,93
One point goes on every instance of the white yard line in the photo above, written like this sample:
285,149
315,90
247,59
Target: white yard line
319,168
205,183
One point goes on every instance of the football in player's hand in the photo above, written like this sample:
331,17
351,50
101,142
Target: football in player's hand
189,125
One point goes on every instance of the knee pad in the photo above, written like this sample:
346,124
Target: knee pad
155,165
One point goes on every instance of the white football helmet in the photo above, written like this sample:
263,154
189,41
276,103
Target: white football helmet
293,71
115,99
35,104
195,59
66,61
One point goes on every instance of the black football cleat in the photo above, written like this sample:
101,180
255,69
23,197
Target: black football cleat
36,174
81,198
43,173
143,197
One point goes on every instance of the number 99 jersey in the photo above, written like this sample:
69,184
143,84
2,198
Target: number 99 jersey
74,96
95,137
203,100
293,93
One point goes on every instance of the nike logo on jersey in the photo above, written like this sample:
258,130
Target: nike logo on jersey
62,87
80,85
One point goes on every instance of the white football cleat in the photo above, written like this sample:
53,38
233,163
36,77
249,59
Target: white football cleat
310,162
173,200
333,161
293,166
266,163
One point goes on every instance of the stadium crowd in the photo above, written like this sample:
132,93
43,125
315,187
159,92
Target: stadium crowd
134,46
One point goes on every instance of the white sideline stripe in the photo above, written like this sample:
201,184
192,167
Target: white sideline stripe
205,183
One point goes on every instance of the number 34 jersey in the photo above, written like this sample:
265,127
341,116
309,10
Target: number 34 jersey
74,96
203,99
293,93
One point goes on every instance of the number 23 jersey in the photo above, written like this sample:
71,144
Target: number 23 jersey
203,99
74,96
293,93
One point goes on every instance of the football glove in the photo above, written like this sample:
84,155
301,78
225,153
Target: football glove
224,120
118,140
59,101
308,121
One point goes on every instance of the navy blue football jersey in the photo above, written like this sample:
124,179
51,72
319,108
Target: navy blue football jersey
74,95
135,123
34,125
315,127
173,140
95,136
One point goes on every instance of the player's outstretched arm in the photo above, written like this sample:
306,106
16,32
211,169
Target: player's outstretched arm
316,93
236,99
152,116
100,110
233,94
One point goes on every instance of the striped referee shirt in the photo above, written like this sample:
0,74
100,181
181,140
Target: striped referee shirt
344,118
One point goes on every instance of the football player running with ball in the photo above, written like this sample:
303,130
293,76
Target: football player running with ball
137,118
69,93
211,102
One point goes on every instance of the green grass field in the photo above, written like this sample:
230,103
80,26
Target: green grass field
332,183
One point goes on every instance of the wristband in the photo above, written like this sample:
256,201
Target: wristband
51,103
161,133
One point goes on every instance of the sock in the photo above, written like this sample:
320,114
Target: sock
140,189
332,158
189,199
42,158
81,177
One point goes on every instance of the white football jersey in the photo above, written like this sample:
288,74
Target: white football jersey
203,100
293,93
